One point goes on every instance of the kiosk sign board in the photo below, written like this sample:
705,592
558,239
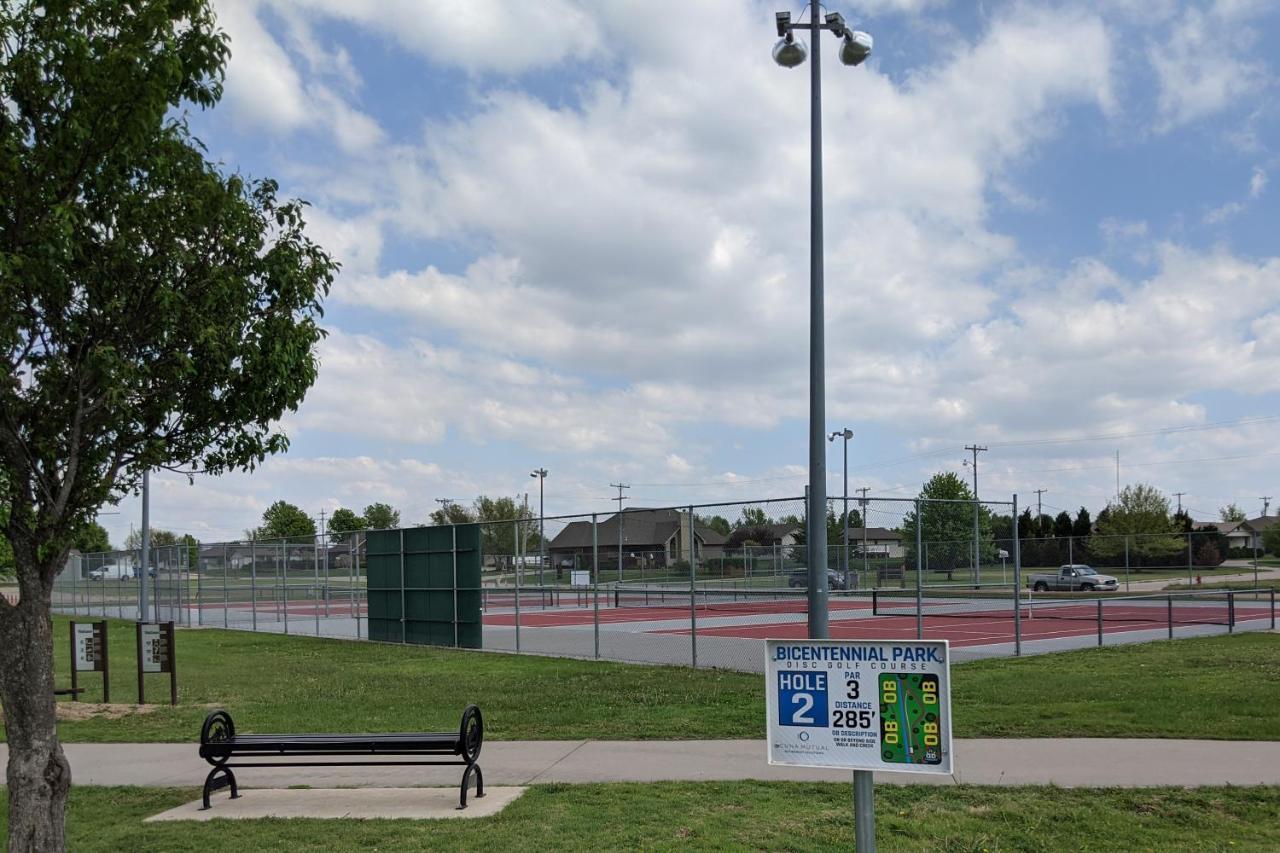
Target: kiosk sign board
88,646
579,577
859,704
155,654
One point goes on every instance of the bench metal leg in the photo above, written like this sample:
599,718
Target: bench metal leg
213,783
466,779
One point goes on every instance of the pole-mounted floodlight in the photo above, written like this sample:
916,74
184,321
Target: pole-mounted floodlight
854,49
788,52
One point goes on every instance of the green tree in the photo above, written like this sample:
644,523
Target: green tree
1083,525
283,520
159,539
1271,540
718,523
947,528
1231,512
159,313
380,516
1062,524
1141,516
343,522
453,513
91,538
753,516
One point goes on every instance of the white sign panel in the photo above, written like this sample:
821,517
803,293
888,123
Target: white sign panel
152,648
859,704
86,651
581,578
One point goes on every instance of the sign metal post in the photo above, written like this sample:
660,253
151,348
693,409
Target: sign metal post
156,653
89,654
865,705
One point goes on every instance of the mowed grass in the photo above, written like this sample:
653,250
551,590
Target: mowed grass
725,816
277,683
1180,689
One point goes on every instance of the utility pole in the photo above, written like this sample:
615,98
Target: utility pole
444,506
145,579
976,449
1179,495
1266,504
1039,511
620,498
1117,476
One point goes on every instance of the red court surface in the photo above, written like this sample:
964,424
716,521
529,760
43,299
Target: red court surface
853,620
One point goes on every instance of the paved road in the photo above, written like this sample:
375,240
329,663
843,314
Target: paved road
1264,575
1091,762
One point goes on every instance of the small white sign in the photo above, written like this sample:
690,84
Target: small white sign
86,650
580,578
859,704
152,648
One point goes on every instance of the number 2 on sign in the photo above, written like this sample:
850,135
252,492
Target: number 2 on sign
802,714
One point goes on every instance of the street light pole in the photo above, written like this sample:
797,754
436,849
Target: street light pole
856,47
541,474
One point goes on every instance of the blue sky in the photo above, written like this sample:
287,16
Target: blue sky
574,235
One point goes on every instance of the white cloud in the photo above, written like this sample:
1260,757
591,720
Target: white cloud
480,35
1258,182
264,87
1203,65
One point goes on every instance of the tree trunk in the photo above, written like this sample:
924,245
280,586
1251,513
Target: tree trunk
38,774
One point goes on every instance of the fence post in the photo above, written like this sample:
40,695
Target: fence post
315,559
226,600
355,580
253,578
1126,562
1191,579
919,572
1169,601
1273,608
1099,621
1017,582
1231,611
595,581
199,597
284,581
693,594
515,567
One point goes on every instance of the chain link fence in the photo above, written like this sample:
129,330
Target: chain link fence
704,585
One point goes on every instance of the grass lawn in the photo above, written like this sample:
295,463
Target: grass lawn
276,683
728,816
1263,583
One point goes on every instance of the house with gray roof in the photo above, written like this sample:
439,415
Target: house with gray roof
650,537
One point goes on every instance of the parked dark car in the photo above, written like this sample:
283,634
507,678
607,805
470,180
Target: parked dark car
800,579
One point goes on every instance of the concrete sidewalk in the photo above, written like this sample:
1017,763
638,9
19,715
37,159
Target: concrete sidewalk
1085,762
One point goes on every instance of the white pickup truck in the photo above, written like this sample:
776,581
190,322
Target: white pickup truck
1072,578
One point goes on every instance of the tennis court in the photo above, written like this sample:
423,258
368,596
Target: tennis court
727,626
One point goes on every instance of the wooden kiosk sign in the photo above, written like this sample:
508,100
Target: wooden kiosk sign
156,654
89,654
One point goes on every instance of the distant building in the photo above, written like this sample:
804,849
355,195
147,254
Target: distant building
650,537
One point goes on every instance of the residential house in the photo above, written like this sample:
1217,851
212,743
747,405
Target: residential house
650,537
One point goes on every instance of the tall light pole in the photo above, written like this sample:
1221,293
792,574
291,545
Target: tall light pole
541,474
855,48
846,434
143,607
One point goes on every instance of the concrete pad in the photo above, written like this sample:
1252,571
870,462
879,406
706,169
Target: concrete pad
346,803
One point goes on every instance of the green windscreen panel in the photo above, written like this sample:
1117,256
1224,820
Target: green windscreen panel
424,585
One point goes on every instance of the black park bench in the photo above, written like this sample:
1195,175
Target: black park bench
224,749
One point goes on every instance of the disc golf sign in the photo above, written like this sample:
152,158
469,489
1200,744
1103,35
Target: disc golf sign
156,654
859,704
89,654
